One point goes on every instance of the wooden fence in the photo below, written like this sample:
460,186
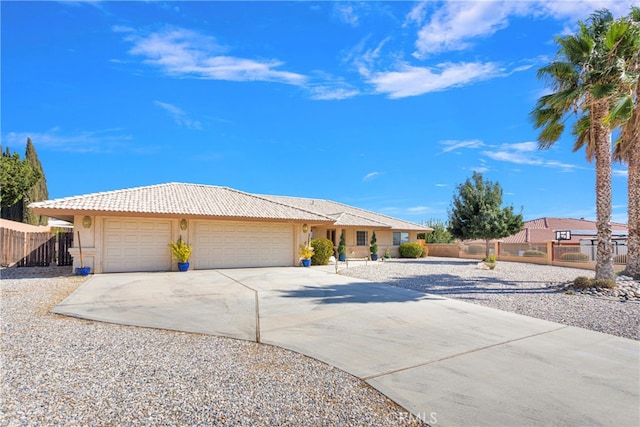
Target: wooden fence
35,249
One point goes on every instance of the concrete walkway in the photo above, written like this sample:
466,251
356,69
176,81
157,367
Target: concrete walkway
446,361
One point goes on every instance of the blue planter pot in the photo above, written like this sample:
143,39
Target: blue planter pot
306,262
83,271
374,257
342,257
183,266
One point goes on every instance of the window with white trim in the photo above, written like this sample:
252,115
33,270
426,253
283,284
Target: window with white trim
400,238
362,238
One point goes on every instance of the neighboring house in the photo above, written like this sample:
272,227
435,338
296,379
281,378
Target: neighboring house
129,229
544,230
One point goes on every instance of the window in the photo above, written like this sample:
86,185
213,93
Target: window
400,238
361,238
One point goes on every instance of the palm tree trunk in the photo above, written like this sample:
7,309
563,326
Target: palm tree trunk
601,135
631,137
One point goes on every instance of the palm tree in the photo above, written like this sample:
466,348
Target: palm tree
627,148
583,82
623,40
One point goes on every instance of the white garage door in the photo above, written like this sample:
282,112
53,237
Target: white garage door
230,244
136,245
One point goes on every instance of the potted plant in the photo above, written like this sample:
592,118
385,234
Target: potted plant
342,248
374,247
181,253
305,252
387,254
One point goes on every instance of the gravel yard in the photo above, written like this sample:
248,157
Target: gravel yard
58,370
528,289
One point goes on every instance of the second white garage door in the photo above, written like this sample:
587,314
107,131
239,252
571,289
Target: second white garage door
231,244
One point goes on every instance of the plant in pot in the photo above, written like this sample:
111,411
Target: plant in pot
181,253
305,252
342,248
374,247
387,253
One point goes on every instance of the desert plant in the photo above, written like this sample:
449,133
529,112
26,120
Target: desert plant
180,250
323,250
305,251
387,254
534,253
374,244
410,250
604,283
582,282
574,256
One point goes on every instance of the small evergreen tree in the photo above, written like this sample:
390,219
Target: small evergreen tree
38,191
374,244
342,246
476,212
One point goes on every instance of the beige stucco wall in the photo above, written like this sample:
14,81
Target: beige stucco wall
92,238
383,236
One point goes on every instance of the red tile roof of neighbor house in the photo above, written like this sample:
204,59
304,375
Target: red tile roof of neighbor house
544,229
215,202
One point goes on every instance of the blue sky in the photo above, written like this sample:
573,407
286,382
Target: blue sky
382,105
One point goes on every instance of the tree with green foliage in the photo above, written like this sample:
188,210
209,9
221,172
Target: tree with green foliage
38,191
476,212
440,234
17,177
374,244
594,77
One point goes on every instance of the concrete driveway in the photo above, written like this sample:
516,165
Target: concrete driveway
446,361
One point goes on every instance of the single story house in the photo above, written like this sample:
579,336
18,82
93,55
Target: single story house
130,229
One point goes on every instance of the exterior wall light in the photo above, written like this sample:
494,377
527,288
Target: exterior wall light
305,228
86,221
183,224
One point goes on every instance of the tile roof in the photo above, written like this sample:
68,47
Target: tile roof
215,201
348,215
180,199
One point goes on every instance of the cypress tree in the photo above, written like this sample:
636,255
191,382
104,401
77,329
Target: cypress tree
39,190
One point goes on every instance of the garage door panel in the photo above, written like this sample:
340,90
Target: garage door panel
227,245
136,245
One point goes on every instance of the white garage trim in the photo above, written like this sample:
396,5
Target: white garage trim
228,244
134,244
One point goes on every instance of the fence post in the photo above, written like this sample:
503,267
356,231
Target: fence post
550,252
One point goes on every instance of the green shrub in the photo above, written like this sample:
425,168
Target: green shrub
582,282
374,244
575,256
604,283
534,253
476,249
425,251
492,258
342,246
322,251
410,250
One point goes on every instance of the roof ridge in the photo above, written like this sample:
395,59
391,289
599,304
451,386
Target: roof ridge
360,216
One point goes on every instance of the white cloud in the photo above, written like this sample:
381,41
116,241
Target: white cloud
411,81
620,172
419,209
452,145
456,25
442,185
184,53
179,116
524,153
345,12
370,176
106,140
